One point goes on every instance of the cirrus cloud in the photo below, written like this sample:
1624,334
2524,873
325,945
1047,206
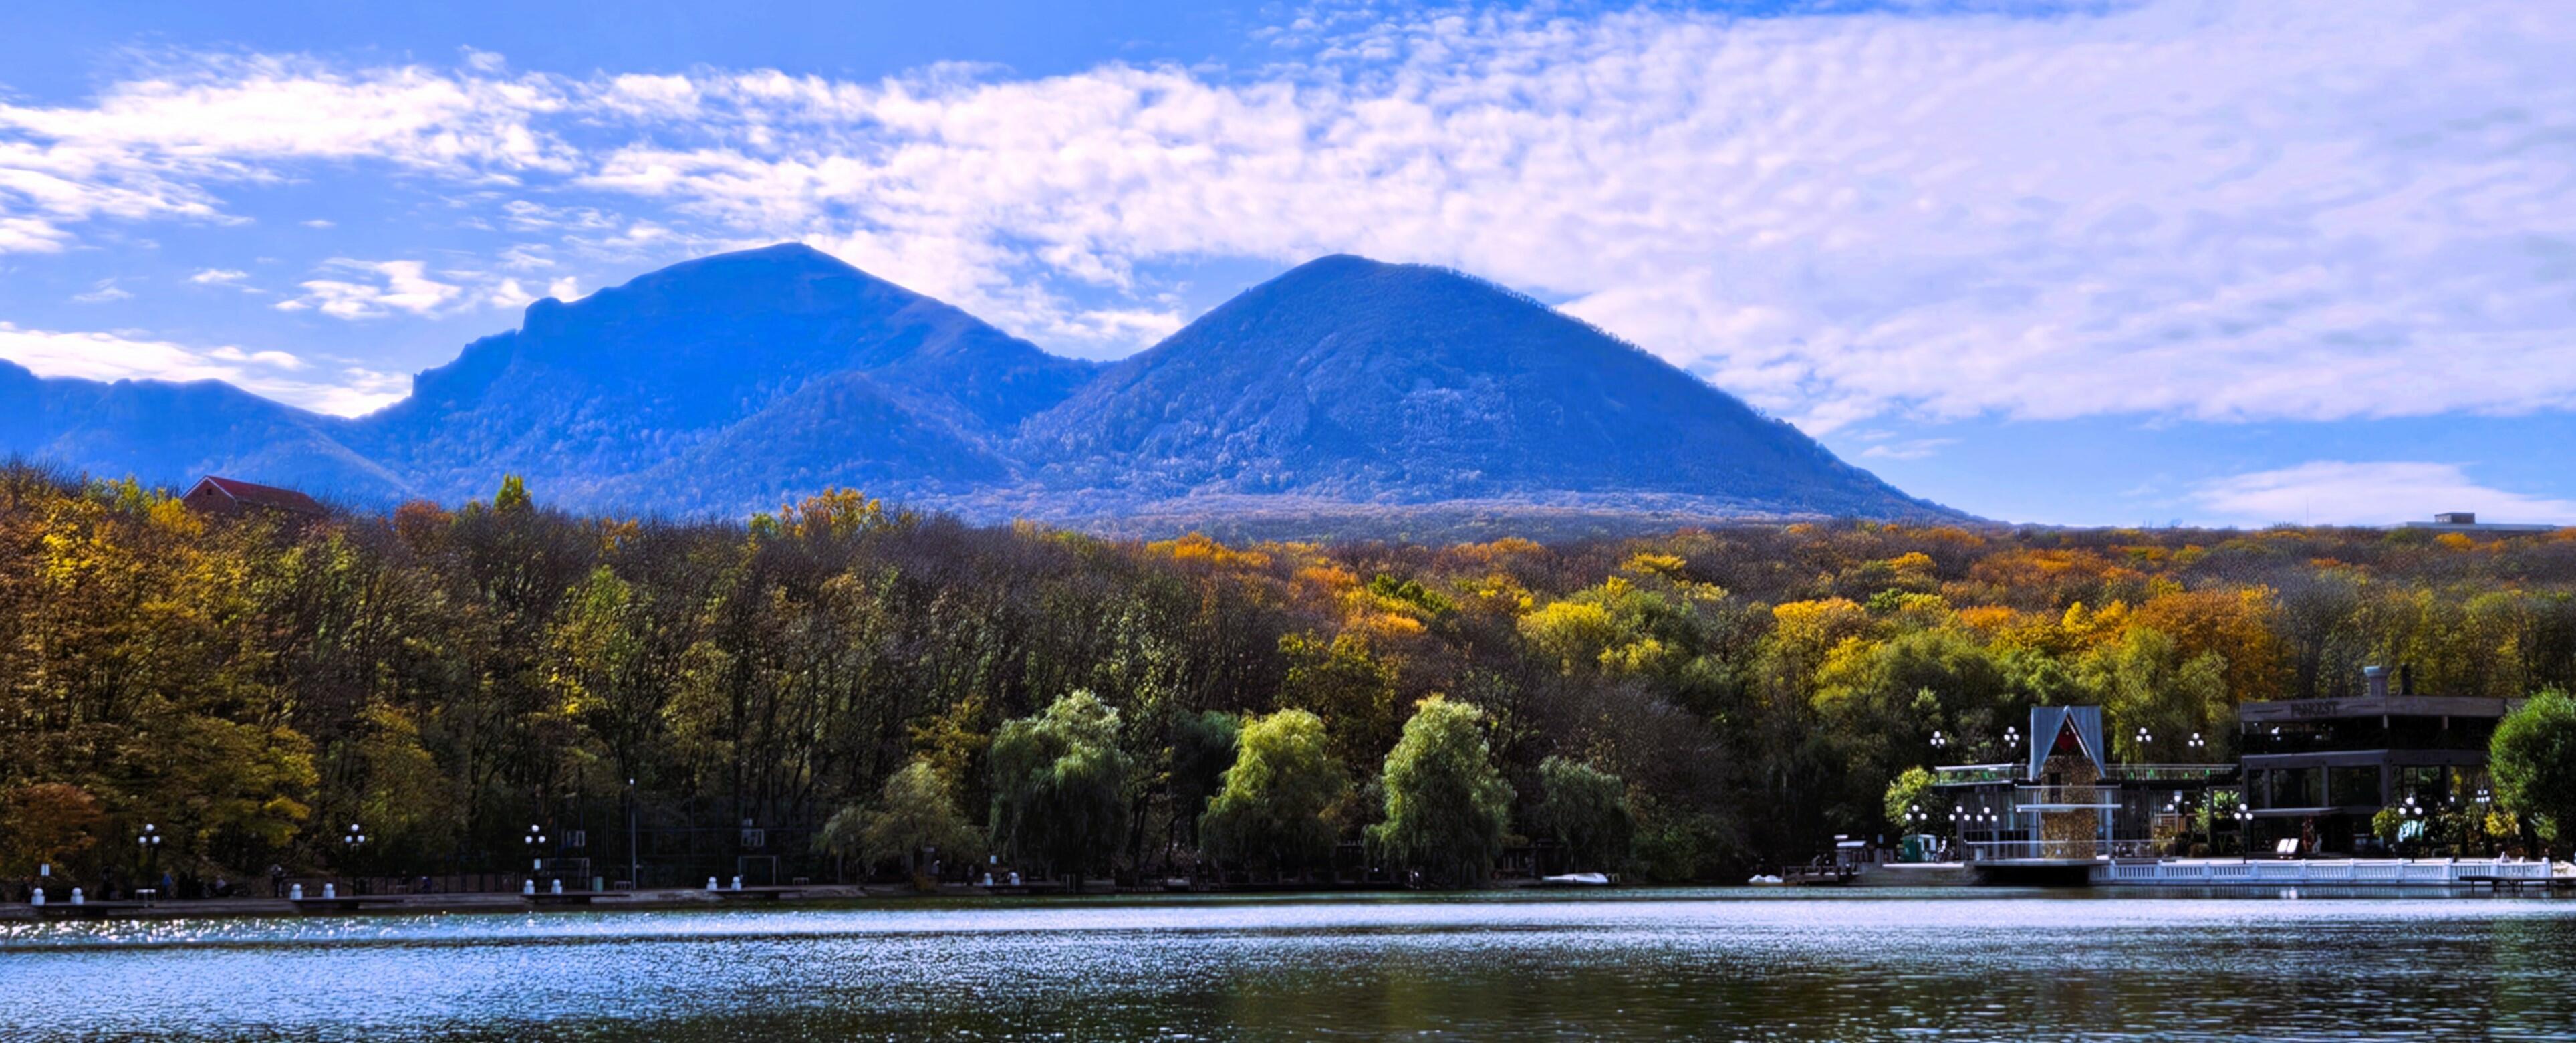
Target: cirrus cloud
2207,209
345,390
2337,492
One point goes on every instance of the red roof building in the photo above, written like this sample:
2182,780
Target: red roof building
228,496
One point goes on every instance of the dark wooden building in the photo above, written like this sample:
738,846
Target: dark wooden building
232,497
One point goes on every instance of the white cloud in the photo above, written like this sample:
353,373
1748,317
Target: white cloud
509,293
528,257
102,292
2215,209
153,146
2209,209
218,277
1908,449
2331,492
525,216
112,356
317,223
397,286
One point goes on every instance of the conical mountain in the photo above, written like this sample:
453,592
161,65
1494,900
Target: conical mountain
673,373
1329,400
1352,381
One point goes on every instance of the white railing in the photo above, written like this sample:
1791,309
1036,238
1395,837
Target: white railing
2102,796
2363,871
2194,771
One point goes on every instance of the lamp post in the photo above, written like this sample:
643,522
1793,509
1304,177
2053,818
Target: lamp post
2486,799
148,844
1939,740
2245,827
351,843
2411,810
631,814
535,841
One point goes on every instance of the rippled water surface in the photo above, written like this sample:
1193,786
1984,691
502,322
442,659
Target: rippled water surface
1661,964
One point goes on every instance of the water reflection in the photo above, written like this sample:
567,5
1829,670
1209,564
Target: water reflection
1727,964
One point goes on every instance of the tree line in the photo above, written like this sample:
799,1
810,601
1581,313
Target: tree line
864,683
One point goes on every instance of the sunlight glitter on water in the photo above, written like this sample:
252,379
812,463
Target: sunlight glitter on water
1723,963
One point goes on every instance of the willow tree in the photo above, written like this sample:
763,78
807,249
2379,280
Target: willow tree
1060,785
1271,810
1446,805
1586,809
914,812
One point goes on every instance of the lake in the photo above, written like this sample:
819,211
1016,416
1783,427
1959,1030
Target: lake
1733,963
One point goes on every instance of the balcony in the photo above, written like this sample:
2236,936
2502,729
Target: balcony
1972,774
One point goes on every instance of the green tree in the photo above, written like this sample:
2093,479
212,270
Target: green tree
513,497
1272,809
1906,794
2144,681
1446,806
1586,809
1341,682
1203,748
1060,785
2533,759
914,812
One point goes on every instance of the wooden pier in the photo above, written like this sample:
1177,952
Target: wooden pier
1820,876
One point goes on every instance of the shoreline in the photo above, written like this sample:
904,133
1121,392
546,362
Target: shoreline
831,895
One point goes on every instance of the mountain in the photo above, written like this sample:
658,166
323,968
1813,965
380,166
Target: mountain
174,432
1344,395
1350,381
691,370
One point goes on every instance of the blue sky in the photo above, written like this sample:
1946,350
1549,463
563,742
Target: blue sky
2215,261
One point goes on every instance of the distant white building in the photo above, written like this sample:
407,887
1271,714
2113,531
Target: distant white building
2467,521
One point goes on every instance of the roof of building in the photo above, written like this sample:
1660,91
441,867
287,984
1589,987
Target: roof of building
2049,722
2374,706
257,495
2467,521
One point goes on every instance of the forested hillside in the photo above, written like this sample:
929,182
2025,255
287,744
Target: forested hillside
1717,698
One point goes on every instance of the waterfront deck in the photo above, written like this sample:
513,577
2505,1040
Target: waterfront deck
2374,872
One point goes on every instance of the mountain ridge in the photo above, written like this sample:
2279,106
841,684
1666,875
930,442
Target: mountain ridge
731,383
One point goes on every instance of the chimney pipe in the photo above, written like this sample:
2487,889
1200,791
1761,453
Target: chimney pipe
2377,676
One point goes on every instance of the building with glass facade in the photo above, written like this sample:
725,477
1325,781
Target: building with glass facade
2319,769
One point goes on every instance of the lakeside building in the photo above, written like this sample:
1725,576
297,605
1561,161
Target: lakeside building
2311,771
2317,770
2064,806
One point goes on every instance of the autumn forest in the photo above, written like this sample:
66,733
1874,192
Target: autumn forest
861,683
